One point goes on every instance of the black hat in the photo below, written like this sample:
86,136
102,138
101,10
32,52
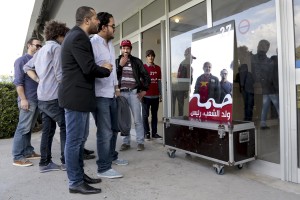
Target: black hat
150,52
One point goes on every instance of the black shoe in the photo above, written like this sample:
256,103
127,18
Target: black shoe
156,136
264,127
90,180
88,157
84,188
86,151
147,136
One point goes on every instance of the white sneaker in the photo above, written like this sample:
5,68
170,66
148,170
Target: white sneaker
120,162
111,173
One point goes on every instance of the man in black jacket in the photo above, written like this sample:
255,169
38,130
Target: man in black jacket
134,81
77,94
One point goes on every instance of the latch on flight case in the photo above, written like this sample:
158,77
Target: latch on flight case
166,121
221,131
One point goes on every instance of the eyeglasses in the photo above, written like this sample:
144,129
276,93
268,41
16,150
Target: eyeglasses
38,46
112,26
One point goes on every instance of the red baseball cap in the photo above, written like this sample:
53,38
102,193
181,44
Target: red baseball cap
126,43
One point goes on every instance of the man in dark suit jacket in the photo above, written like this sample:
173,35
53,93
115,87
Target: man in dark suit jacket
77,94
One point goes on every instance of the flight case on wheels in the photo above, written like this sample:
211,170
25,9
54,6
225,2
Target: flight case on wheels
231,144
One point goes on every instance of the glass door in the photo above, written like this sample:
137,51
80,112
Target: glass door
256,91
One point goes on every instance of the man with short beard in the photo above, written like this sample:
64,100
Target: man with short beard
106,105
22,149
77,94
134,81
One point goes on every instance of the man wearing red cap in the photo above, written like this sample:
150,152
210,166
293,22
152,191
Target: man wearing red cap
134,81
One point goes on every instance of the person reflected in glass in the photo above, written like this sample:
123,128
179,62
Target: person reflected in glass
225,85
207,85
274,114
184,78
245,80
266,75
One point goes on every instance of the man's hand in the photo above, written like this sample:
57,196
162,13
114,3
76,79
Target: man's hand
107,66
117,93
123,60
186,94
141,95
24,104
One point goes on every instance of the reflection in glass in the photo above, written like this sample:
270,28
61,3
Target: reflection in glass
297,64
255,23
190,21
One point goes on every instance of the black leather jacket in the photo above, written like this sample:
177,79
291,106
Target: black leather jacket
140,74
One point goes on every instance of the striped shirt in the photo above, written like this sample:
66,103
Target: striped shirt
128,80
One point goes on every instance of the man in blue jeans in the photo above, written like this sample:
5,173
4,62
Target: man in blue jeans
265,72
27,102
76,95
134,81
106,90
45,68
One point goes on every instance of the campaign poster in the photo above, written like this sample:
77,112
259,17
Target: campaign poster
212,73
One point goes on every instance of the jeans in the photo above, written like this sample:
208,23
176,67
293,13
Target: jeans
154,104
179,95
135,107
76,126
87,128
248,105
106,109
22,139
267,98
51,113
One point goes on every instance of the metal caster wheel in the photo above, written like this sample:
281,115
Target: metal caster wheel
219,169
240,166
171,153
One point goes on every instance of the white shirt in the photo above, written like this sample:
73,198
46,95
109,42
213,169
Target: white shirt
104,52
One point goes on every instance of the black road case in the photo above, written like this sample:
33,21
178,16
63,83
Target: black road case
231,144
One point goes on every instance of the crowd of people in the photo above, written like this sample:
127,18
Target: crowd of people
74,74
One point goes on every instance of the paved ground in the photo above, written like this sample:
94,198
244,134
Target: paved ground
150,175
